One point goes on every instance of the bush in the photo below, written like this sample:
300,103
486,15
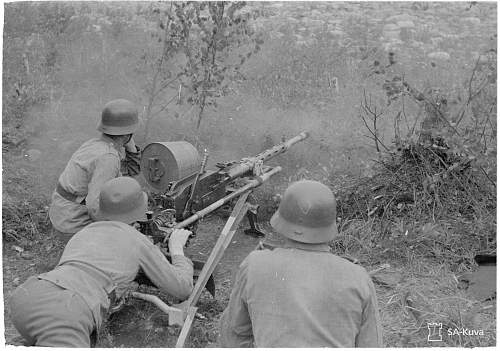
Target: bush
433,193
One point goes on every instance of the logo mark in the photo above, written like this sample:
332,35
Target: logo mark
435,331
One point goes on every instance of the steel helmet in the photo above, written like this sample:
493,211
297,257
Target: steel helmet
119,117
121,199
307,213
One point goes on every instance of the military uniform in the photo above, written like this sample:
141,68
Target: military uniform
75,199
61,308
75,202
301,296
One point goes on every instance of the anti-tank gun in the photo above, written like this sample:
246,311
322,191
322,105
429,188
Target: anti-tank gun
184,191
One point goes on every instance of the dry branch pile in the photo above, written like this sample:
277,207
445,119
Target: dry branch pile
424,200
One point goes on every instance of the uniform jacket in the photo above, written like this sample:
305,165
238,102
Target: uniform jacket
301,296
94,163
106,256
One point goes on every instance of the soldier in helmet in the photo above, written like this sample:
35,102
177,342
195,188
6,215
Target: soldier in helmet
63,307
75,199
301,295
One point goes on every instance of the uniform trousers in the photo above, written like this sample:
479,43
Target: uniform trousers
46,314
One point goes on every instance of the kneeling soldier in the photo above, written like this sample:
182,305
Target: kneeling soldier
63,307
302,295
75,201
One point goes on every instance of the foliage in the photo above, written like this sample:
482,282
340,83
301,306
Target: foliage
200,42
164,74
434,188
222,30
430,206
459,126
31,34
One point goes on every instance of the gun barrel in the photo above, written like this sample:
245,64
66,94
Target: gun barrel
248,164
251,184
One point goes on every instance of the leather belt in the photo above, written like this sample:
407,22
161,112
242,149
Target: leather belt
67,195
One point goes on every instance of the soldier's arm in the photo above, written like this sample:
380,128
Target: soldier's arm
106,167
174,278
370,333
235,324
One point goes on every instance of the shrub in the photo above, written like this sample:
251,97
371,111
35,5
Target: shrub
433,193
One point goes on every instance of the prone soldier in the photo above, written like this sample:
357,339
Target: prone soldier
64,307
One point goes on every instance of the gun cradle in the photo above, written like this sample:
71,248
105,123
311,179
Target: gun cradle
210,188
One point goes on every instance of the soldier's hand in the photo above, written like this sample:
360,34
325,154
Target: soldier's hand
130,146
177,240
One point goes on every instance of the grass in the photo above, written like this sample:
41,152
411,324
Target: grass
429,293
423,287
429,239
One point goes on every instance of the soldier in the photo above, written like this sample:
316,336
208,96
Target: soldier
302,295
75,199
62,308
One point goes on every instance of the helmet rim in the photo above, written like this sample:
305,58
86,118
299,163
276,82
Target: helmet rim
114,130
302,233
